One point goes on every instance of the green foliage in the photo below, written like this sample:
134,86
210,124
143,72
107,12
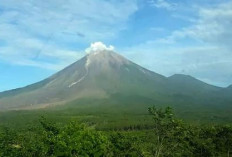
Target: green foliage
167,137
75,140
124,145
170,134
175,138
70,140
8,145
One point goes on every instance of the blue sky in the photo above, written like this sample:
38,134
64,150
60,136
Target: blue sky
39,38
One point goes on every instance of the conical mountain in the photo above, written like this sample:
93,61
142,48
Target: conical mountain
110,78
97,75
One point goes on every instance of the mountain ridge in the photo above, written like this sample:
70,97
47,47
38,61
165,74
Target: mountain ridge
103,75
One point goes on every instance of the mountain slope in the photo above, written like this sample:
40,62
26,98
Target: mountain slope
229,88
97,75
107,77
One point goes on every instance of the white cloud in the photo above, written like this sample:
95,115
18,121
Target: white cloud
40,32
98,46
213,26
207,63
162,4
95,19
202,49
51,57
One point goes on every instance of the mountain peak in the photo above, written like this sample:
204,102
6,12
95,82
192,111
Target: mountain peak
100,55
181,76
100,52
229,87
105,58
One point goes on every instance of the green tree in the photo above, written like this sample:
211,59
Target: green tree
125,145
10,143
74,140
172,135
164,124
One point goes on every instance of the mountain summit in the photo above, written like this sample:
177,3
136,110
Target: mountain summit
97,75
105,76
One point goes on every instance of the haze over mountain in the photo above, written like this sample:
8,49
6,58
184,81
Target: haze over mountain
105,76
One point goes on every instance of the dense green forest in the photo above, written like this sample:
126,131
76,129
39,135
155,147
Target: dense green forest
167,136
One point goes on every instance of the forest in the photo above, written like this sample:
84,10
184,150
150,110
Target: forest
167,136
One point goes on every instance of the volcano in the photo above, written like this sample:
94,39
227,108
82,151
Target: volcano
108,77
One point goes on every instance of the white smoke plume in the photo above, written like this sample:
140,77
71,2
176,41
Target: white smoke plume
97,47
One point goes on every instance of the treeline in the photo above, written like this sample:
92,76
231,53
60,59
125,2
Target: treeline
169,137
135,127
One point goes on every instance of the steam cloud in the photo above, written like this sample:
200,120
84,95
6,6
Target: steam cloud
98,46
